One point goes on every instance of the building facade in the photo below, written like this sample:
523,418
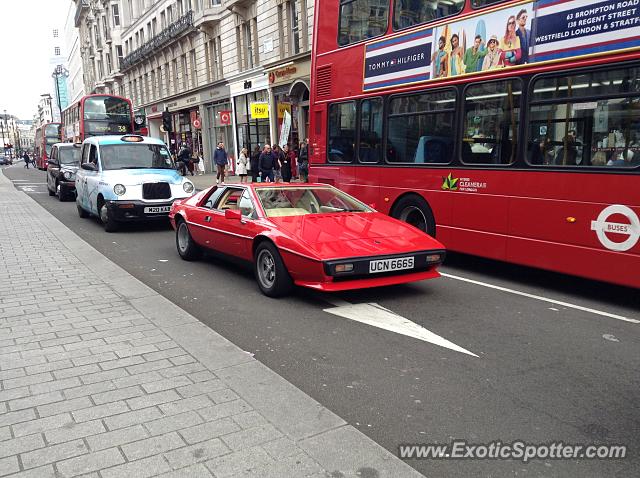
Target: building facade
58,67
75,80
235,71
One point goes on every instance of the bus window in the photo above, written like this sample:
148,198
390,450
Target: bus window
342,129
370,146
407,13
421,128
362,19
491,117
571,124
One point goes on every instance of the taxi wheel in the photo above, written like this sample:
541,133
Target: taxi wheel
61,195
110,224
81,212
271,274
51,193
187,248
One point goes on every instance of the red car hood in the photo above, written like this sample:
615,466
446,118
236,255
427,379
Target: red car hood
340,235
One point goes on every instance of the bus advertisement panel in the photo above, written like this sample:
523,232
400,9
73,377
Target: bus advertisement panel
512,132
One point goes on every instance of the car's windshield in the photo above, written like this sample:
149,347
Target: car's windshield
135,156
70,156
298,201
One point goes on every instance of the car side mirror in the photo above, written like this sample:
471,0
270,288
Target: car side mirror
89,166
232,214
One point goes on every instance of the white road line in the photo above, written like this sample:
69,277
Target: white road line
544,299
377,316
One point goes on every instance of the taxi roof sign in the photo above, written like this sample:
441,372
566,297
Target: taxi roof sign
132,138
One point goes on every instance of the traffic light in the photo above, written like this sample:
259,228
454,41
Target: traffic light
166,121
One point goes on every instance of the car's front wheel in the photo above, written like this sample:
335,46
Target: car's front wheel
81,212
109,223
187,248
272,275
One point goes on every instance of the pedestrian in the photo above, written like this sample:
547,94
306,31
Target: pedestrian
185,157
279,158
27,160
267,164
303,161
220,159
241,165
287,161
255,160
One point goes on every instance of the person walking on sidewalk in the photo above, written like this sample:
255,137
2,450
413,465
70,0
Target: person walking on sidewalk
27,160
241,165
220,159
267,164
303,161
200,164
185,157
255,160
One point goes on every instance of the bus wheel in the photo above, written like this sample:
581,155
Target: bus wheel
414,210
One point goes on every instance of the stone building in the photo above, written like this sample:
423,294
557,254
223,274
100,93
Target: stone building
226,70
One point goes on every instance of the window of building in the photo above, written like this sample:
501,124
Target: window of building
194,69
105,30
109,64
55,33
407,13
281,30
134,93
249,44
362,19
179,8
169,14
371,119
216,3
120,55
491,118
174,65
154,28
56,51
115,13
163,20
295,21
421,128
588,119
342,132
239,50
185,72
153,91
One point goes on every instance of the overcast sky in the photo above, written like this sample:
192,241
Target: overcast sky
26,44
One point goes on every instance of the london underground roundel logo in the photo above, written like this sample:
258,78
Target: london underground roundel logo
607,230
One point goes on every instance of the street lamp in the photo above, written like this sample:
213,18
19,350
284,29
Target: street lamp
59,72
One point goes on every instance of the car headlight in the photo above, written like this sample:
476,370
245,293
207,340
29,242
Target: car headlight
119,189
188,187
68,175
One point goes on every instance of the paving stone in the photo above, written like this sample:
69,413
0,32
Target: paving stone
175,422
229,465
104,357
42,424
98,460
148,366
152,399
299,465
182,370
132,418
203,376
35,400
196,453
28,380
14,393
53,453
21,445
100,411
202,387
137,379
64,406
151,466
85,390
16,417
5,433
9,465
55,385
152,446
46,471
13,373
163,354
251,437
125,362
222,396
166,384
249,419
223,410
209,430
118,394
185,405
195,471
183,359
72,430
281,448
104,376
49,367
117,437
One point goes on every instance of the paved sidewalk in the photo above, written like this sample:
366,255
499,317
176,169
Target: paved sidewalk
102,377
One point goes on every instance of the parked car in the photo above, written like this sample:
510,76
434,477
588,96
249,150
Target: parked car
61,170
310,235
127,178
4,160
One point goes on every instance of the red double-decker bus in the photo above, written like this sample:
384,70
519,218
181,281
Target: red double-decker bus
96,115
509,129
45,137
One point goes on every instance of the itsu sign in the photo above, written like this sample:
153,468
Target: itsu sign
617,222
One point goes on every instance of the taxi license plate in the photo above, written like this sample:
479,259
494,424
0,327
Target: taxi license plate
156,209
387,265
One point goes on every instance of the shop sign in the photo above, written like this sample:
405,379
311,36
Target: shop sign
259,110
225,117
197,124
183,102
282,107
257,83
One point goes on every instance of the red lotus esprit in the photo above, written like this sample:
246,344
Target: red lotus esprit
310,235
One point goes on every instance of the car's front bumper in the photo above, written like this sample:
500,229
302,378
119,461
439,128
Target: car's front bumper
135,210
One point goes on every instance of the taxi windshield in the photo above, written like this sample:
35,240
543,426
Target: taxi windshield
298,201
135,156
69,156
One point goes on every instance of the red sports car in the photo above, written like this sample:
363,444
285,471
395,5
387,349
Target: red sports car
310,235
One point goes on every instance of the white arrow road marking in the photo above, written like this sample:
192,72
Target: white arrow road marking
377,316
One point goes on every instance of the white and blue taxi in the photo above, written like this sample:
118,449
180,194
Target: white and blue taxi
127,178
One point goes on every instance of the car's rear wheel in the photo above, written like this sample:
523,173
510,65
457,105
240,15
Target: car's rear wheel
272,275
51,192
109,223
415,211
187,248
81,212
60,192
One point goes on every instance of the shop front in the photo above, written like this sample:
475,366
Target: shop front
154,120
186,123
217,121
289,85
251,113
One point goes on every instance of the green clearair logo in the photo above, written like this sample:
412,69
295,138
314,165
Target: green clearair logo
449,183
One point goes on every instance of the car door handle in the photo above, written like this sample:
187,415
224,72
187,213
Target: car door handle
207,219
